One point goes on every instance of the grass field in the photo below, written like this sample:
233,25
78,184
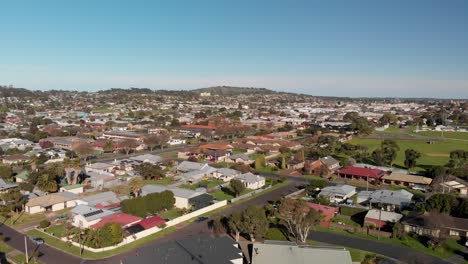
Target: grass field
162,181
57,230
171,214
432,154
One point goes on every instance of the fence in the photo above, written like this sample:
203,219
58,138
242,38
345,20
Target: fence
152,230
233,200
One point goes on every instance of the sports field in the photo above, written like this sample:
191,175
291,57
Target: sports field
432,154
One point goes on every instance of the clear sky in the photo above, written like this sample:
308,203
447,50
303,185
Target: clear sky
416,48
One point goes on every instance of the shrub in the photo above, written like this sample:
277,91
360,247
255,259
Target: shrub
44,224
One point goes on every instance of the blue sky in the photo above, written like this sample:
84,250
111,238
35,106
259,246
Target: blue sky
415,48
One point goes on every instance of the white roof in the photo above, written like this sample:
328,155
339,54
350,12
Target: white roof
383,215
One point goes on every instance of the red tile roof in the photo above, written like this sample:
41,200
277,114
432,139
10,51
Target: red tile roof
151,222
121,219
327,212
362,172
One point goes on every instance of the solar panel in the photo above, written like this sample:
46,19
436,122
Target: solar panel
93,213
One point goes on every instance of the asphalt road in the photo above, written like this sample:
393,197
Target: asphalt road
401,253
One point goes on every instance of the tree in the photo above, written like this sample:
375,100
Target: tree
235,224
411,156
6,172
135,185
14,200
47,183
462,209
128,145
260,162
218,226
45,144
361,126
314,184
440,202
254,222
237,186
108,146
155,140
149,171
388,119
297,221
71,165
148,204
283,163
83,149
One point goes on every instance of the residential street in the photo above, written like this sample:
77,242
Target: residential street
400,253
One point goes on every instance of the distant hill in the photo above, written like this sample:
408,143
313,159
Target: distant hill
232,91
6,91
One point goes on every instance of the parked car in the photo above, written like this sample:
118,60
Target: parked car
37,240
201,219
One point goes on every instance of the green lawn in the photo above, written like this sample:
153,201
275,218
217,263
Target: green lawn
4,248
221,196
171,214
56,230
210,183
432,154
162,181
22,219
345,220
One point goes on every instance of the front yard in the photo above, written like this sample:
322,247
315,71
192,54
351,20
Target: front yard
209,183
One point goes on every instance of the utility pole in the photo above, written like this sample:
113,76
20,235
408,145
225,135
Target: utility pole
26,249
380,221
367,182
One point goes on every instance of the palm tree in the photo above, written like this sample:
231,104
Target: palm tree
135,185
47,183
71,165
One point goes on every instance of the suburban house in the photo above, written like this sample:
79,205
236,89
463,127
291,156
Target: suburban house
381,218
148,158
327,212
338,193
184,198
52,202
216,152
412,181
100,180
367,174
239,158
451,184
103,200
15,158
330,163
280,252
74,188
435,224
190,250
194,172
4,186
390,200
84,216
122,219
22,176
99,167
226,174
251,181
315,167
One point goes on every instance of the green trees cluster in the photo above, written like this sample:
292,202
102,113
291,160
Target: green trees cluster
386,154
237,186
411,156
109,235
359,124
297,221
149,204
149,171
251,221
260,162
447,203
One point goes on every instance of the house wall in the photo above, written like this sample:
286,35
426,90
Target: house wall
84,223
256,185
181,202
75,191
34,209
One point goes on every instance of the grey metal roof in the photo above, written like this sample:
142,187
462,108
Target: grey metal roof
6,185
241,156
104,198
400,197
338,189
190,166
147,158
250,177
329,161
190,250
90,213
228,172
179,192
278,253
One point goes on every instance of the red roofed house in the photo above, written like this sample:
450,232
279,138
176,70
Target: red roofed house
122,219
327,212
350,172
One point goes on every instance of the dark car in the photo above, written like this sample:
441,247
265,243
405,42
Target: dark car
201,219
37,240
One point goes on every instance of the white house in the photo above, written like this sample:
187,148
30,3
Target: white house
75,188
99,167
182,196
226,174
339,193
84,216
251,180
